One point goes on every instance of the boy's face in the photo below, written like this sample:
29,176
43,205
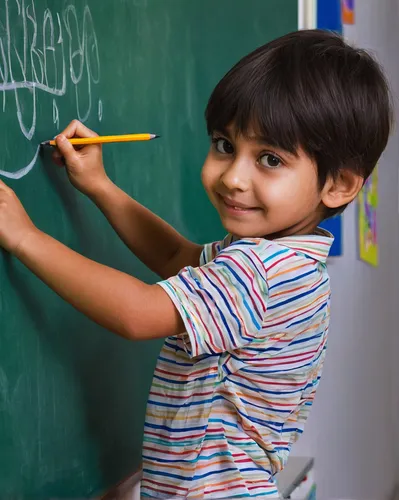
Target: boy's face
259,190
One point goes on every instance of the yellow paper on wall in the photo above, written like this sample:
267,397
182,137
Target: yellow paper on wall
367,220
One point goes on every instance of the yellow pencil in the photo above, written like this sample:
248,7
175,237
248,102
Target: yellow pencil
84,141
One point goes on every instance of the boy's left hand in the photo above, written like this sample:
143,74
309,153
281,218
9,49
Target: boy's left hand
15,223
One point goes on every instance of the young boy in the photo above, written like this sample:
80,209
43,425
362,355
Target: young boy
296,128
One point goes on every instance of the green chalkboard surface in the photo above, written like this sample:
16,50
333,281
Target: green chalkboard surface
72,396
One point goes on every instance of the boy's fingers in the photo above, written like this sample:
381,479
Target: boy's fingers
4,187
77,129
66,150
58,159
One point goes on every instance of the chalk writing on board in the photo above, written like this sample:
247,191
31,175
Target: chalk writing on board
56,115
66,58
100,110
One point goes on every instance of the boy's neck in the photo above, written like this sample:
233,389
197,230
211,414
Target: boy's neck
303,230
308,230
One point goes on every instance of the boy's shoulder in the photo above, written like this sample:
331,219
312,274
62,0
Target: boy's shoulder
274,253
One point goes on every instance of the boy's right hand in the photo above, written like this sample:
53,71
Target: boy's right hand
85,165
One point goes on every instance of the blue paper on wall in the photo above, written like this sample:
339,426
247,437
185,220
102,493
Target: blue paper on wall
329,17
334,225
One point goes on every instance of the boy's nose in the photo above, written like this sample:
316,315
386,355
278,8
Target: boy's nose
236,176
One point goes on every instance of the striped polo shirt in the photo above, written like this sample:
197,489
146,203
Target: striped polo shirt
231,394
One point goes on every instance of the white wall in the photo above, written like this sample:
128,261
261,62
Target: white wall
352,431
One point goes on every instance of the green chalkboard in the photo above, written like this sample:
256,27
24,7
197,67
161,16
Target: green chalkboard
72,396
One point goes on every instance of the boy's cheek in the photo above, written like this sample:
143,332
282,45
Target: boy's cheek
209,178
299,194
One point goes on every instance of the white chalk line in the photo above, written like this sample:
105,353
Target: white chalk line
87,45
23,171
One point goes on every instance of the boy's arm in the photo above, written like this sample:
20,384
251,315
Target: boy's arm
111,298
114,300
151,239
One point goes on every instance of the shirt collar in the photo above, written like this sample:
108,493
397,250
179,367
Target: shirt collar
316,245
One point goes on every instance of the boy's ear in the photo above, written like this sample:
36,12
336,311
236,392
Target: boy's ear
341,190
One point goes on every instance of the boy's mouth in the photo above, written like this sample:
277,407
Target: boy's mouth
236,207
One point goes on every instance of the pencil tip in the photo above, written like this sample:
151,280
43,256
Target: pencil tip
45,143
155,136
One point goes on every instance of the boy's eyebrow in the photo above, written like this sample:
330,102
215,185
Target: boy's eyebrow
221,131
262,141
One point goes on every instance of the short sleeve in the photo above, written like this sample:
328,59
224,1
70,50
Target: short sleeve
210,250
222,303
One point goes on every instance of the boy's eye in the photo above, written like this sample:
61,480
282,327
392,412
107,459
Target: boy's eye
270,161
223,146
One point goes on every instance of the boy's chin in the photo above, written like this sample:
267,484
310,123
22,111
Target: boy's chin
242,231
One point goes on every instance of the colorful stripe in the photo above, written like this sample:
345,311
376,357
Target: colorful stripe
231,395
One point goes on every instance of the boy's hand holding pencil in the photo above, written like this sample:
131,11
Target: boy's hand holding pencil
84,165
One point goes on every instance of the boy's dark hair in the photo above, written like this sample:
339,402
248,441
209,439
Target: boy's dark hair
309,89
